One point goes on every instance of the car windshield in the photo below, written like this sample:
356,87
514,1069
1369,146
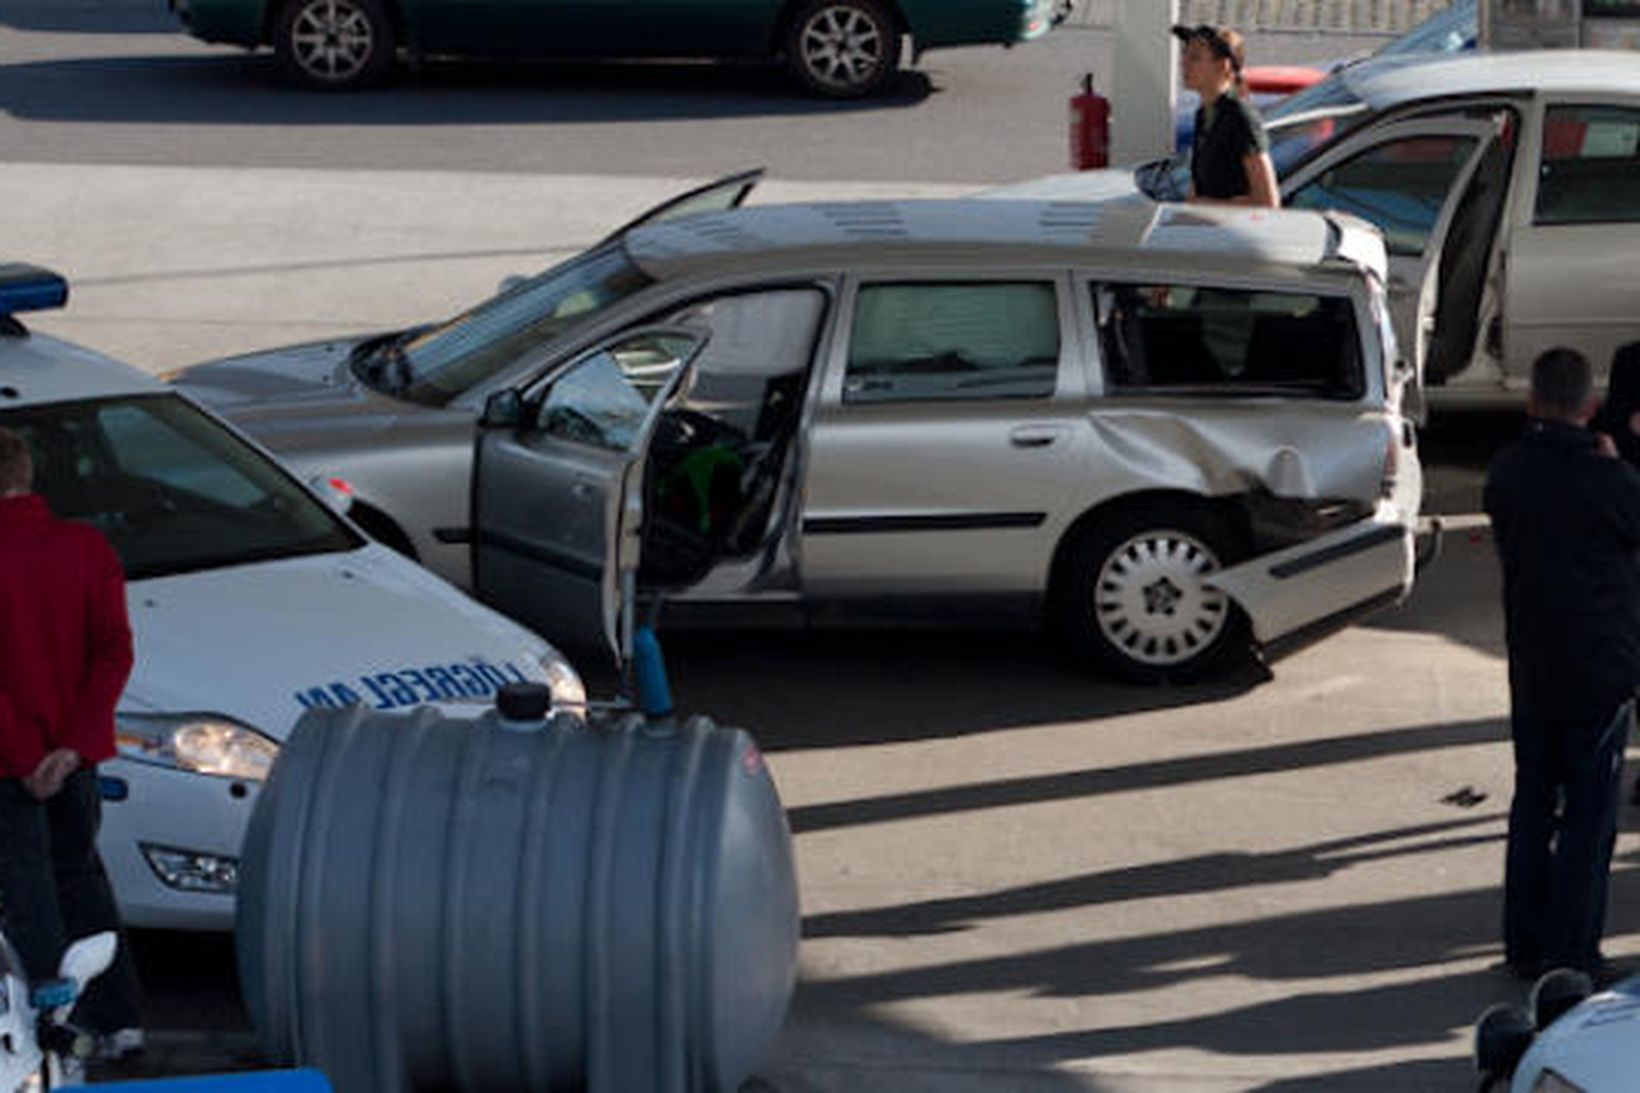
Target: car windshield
1450,31
174,491
432,365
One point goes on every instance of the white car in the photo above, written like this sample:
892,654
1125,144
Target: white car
1507,187
1176,432
1572,1041
251,599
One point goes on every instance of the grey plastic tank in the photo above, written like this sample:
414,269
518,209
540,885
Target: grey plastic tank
430,903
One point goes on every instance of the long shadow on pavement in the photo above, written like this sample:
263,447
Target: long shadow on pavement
1395,936
235,89
89,16
1153,774
837,688
1183,877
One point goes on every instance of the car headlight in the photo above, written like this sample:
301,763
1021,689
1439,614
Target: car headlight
1550,1082
200,743
568,692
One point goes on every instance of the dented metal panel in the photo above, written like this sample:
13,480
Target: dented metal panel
1298,450
1290,589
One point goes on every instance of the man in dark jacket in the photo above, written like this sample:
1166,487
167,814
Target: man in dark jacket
1566,518
65,655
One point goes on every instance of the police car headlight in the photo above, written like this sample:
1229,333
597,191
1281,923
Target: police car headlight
1550,1082
568,692
200,743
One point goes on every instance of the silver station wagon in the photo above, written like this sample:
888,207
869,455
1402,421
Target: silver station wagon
1177,431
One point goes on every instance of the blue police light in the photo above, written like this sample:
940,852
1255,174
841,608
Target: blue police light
30,288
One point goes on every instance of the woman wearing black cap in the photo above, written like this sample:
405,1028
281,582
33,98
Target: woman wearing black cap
1230,155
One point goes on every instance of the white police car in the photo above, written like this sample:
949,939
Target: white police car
1569,1039
251,600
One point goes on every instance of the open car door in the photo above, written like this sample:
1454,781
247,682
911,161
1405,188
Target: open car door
557,489
1435,188
729,192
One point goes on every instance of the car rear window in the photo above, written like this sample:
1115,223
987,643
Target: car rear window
1228,341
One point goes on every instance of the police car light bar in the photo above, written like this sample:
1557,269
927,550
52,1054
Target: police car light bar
30,288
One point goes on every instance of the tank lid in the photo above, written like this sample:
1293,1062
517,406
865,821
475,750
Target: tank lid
524,701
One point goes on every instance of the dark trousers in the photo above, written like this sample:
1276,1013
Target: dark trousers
1562,827
53,890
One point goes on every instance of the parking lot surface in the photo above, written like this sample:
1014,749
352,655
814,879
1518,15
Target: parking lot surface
1017,876
1014,875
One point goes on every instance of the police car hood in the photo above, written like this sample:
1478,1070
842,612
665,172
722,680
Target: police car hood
261,643
316,372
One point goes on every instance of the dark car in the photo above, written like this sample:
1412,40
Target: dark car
838,48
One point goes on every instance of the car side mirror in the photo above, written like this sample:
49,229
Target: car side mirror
508,283
503,410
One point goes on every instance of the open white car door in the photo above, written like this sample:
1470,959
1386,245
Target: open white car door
1411,179
557,488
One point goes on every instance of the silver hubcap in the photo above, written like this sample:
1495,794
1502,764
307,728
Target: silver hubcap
1150,600
842,47
332,39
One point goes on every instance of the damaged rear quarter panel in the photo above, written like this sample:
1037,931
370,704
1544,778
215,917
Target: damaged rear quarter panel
1317,468
1228,447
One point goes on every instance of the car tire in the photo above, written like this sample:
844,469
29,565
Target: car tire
334,45
842,49
1129,594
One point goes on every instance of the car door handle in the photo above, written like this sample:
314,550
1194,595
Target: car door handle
1036,436
581,491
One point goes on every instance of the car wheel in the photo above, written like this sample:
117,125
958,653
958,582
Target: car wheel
1131,593
842,48
334,45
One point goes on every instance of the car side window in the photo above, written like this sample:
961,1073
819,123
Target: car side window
604,400
1400,185
1228,341
968,340
1590,172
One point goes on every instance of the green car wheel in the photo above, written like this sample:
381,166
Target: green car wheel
334,45
842,49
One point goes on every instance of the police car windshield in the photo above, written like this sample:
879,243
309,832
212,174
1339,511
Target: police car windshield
432,365
173,490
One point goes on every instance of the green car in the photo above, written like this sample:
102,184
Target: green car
838,48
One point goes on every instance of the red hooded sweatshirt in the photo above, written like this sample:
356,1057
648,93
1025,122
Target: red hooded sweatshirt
65,642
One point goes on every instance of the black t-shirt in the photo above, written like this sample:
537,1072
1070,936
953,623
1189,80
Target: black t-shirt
1226,133
1566,521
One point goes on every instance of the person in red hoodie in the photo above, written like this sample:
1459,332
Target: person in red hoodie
65,656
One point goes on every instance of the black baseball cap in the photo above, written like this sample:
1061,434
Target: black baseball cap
1223,41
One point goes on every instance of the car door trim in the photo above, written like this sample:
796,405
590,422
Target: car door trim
952,521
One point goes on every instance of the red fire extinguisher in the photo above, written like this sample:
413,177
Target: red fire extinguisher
1090,128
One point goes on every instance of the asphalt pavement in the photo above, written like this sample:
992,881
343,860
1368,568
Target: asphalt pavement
1014,875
